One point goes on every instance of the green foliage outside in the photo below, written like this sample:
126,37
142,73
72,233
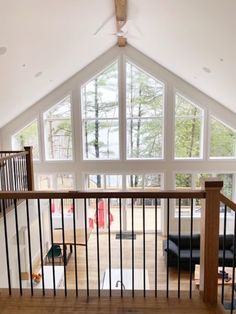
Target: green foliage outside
100,115
222,141
188,124
144,105
57,121
28,137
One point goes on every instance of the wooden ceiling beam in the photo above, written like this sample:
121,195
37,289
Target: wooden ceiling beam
121,16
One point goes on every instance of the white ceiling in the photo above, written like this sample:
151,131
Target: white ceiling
48,41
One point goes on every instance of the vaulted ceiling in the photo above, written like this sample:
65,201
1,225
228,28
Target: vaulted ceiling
44,42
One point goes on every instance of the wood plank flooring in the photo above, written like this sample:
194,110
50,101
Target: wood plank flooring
126,261
70,305
115,305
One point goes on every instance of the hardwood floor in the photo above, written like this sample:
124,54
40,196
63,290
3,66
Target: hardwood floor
116,305
70,305
127,262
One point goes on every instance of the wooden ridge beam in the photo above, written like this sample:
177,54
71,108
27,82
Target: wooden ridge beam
121,16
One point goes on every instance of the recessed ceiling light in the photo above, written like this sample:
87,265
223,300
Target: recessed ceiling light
207,70
38,74
3,50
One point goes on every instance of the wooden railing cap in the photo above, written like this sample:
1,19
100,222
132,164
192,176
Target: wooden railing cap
213,184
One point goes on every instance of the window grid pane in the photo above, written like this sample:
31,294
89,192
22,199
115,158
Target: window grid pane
58,131
144,114
28,136
100,113
188,128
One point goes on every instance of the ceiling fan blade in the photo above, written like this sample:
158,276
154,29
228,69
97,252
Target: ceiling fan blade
131,25
103,24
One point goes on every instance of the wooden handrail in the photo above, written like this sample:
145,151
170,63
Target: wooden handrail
101,194
23,153
10,151
225,200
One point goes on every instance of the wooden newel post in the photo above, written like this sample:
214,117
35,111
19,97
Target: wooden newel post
29,167
210,242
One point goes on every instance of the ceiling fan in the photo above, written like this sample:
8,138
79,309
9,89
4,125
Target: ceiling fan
121,21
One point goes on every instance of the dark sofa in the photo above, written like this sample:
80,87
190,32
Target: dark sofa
185,250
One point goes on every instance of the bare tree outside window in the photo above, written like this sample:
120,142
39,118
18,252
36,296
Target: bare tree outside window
58,132
100,111
144,113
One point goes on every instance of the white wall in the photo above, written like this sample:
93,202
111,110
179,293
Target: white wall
23,240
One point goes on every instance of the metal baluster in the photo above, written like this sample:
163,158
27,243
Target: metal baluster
168,236
64,245
155,247
233,275
109,245
121,259
7,250
29,242
132,221
4,186
179,231
223,262
18,246
98,255
11,175
144,252
75,250
20,173
53,263
41,245
86,244
191,249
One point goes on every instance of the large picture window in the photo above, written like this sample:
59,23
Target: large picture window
222,140
188,128
59,182
191,181
58,132
144,113
131,182
28,136
100,113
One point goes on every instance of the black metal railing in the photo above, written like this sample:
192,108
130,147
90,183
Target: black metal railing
97,262
16,173
228,262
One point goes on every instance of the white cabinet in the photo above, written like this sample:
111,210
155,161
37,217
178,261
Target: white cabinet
48,278
126,279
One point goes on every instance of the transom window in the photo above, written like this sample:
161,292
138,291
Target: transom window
187,181
151,182
60,182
